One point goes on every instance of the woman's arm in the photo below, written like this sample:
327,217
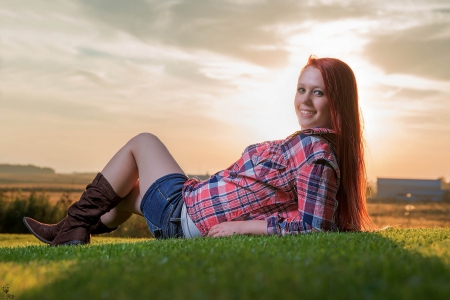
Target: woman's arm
251,227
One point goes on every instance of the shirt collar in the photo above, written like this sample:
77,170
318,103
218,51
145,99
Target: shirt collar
318,131
328,134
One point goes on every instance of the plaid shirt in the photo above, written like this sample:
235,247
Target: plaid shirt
291,183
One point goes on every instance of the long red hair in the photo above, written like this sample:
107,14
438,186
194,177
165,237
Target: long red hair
342,94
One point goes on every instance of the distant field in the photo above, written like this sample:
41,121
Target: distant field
82,178
54,185
410,215
55,182
50,182
53,196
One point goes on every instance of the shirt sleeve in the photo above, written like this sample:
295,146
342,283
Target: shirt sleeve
317,185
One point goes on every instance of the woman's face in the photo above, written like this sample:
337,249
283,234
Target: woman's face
311,102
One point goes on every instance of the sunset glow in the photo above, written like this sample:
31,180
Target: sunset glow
78,79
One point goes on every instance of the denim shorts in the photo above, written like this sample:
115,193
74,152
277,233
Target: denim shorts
162,204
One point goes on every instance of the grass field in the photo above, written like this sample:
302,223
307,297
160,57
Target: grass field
397,263
391,264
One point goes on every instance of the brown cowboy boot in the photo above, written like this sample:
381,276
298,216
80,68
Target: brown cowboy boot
98,198
46,233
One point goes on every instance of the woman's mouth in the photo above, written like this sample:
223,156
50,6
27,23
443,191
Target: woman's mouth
307,112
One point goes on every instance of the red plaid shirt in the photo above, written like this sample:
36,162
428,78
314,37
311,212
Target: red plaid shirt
291,183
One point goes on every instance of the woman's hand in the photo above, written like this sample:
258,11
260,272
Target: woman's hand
225,229
257,227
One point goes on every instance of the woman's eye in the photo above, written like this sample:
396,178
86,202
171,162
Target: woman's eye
301,90
318,93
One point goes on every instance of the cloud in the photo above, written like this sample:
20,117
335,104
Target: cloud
429,103
246,30
426,121
196,72
36,107
422,51
417,94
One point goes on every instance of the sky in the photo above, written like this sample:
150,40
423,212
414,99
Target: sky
78,79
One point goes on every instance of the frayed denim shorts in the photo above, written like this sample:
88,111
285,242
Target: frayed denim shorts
162,205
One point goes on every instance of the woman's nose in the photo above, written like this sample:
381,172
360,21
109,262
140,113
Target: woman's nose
305,99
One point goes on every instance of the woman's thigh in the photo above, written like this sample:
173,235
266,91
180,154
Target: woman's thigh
153,160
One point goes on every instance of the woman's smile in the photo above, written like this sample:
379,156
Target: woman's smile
307,112
311,102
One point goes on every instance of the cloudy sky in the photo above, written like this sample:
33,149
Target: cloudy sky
80,78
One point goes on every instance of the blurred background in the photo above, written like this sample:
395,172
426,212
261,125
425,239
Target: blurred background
78,79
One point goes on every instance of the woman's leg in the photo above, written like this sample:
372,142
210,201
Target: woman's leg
124,210
144,157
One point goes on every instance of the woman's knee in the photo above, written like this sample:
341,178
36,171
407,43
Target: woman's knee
146,136
144,139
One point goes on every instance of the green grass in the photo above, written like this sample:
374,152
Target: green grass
392,264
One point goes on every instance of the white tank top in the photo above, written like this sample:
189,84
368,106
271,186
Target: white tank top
189,228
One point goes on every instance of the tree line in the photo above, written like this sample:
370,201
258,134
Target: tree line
28,169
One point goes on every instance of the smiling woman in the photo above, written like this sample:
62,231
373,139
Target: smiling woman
342,99
311,181
311,102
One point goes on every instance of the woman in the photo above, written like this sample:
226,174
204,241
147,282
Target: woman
314,180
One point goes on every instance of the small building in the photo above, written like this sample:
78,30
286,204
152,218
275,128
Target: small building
410,189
